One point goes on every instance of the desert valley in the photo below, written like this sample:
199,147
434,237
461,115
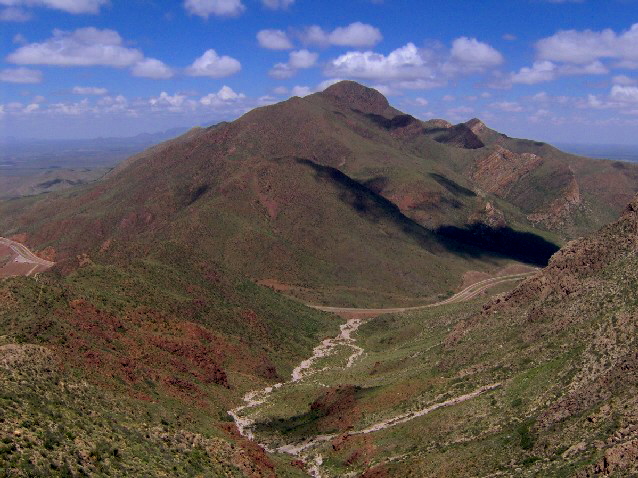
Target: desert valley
324,283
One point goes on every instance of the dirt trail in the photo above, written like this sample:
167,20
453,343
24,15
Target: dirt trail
22,256
329,347
466,294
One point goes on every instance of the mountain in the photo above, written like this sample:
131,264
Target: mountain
538,381
125,358
336,198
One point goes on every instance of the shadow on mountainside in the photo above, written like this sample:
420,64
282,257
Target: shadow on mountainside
476,240
501,241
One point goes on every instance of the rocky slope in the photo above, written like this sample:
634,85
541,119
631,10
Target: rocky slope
539,381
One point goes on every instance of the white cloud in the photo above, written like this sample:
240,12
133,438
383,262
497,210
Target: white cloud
587,46
297,60
222,8
356,35
70,109
539,72
213,65
508,106
404,63
274,40
625,94
541,97
281,71
277,4
13,14
543,71
301,91
593,68
421,101
113,104
223,97
69,6
152,68
623,80
409,67
20,75
30,108
469,54
176,103
302,59
83,47
89,90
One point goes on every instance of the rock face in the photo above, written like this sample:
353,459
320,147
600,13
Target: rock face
496,172
490,216
559,210
580,261
476,126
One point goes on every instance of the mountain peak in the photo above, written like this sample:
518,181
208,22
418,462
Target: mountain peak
475,125
357,97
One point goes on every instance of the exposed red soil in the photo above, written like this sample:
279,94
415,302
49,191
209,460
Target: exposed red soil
249,456
337,407
377,472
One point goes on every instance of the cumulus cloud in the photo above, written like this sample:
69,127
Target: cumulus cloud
543,71
213,65
274,40
221,8
277,4
71,109
114,104
297,60
587,46
301,91
409,67
83,47
403,63
69,6
13,14
471,55
223,97
539,72
20,75
625,94
152,68
356,35
88,90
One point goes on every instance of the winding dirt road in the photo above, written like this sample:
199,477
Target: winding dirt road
23,262
302,451
466,294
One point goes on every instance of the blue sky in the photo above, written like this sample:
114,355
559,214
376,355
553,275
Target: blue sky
552,70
